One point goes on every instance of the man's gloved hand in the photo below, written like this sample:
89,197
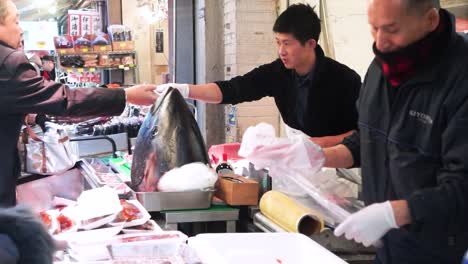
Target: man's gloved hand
368,225
182,87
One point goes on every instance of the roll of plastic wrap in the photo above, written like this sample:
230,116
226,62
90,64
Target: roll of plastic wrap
289,214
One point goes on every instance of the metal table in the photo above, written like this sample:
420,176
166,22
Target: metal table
215,213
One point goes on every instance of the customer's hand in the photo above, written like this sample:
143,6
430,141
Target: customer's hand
324,142
368,225
182,87
142,94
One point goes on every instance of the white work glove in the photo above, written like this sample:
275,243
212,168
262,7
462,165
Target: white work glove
182,87
368,225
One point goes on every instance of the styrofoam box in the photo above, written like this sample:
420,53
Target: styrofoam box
285,248
147,245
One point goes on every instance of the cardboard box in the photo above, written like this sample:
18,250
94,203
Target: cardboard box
83,49
237,190
65,51
123,45
64,45
102,48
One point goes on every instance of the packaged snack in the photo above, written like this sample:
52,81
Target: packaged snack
101,39
104,60
63,42
83,42
127,60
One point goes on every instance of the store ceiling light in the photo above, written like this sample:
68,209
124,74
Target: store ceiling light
52,9
153,11
44,3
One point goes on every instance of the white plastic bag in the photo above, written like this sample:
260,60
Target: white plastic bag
292,132
49,154
283,157
294,164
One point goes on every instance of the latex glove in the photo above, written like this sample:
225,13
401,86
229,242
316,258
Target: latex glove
368,225
182,87
142,94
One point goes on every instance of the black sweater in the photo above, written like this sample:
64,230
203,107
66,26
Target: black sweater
330,105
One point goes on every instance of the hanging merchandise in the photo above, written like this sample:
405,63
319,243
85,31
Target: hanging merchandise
82,22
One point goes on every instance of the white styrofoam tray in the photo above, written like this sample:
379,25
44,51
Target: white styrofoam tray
274,248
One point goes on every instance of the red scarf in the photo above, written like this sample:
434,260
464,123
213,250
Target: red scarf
401,65
46,75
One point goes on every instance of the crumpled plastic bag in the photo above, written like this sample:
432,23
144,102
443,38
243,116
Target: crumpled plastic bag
280,155
295,165
292,132
189,177
283,157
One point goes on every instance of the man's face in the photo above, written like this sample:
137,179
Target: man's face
394,28
47,65
10,31
293,54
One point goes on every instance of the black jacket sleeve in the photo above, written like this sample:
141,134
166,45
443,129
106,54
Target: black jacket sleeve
251,86
446,205
352,143
349,98
23,91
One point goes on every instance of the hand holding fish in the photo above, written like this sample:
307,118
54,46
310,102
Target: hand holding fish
142,94
182,87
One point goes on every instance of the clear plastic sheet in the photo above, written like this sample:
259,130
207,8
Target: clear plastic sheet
295,165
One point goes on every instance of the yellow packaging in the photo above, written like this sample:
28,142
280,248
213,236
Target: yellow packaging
289,214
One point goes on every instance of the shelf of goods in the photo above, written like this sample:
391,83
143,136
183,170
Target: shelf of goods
87,67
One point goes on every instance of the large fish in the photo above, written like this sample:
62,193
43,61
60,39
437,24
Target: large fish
168,138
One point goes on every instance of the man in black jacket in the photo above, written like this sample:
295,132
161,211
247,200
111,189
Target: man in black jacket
313,93
412,137
23,238
23,91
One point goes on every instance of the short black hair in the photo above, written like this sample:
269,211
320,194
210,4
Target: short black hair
47,58
301,21
421,6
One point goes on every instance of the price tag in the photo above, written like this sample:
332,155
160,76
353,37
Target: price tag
103,48
131,65
63,51
92,69
122,45
126,68
84,50
121,66
69,70
80,70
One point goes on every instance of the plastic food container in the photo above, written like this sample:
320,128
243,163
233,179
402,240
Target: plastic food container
275,248
147,245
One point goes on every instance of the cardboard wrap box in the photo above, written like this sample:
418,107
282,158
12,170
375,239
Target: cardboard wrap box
123,45
237,190
102,48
